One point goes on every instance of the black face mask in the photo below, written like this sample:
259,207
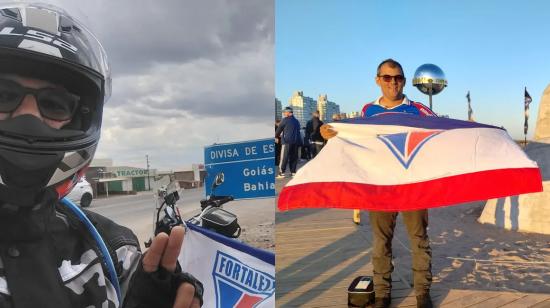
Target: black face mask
25,174
30,128
26,171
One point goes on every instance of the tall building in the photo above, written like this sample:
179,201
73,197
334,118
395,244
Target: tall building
354,114
278,109
326,108
302,107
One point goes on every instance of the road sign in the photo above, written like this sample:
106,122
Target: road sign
248,167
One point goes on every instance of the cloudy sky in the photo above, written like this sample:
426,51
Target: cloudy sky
186,74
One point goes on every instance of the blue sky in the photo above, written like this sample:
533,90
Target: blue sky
491,48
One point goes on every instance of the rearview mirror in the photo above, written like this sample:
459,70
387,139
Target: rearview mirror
218,180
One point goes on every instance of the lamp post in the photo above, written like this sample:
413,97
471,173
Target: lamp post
148,178
430,80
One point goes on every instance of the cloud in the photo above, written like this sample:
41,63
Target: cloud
175,144
138,35
186,74
240,85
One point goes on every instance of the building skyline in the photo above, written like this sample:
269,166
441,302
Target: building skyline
326,108
278,110
303,106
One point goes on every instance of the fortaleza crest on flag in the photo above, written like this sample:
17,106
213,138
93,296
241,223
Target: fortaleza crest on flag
238,284
405,145
234,275
399,162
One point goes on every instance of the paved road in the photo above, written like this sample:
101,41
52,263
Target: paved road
256,217
137,211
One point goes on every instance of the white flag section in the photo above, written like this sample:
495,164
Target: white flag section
233,274
395,162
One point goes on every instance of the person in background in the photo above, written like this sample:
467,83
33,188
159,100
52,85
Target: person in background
277,145
305,148
288,134
313,130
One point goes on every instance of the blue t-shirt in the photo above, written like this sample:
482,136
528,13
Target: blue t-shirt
407,106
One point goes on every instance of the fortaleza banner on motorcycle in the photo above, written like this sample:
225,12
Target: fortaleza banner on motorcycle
233,274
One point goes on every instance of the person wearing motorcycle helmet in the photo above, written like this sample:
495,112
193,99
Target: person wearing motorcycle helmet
54,81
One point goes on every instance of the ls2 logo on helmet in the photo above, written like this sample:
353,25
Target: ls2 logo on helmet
240,285
41,36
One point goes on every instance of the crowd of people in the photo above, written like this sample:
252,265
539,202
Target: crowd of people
290,146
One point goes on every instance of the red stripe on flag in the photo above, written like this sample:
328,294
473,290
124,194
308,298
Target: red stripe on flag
415,138
446,191
248,301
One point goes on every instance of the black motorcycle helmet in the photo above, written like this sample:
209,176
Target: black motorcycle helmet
43,42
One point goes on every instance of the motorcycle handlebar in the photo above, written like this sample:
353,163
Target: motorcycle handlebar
216,201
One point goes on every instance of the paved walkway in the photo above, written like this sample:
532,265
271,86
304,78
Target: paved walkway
320,251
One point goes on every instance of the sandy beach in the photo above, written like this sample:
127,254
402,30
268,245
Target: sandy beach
470,255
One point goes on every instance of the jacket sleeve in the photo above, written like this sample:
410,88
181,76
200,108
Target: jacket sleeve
280,128
123,247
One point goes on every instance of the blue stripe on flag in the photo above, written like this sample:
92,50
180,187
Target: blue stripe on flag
261,254
411,120
398,141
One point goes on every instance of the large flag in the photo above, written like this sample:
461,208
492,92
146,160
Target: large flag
527,100
396,162
234,274
470,111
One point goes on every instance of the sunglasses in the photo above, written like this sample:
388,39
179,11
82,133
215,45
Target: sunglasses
388,78
53,103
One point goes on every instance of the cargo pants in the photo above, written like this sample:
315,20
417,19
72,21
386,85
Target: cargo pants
383,226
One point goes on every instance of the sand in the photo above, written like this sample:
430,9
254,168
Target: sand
470,255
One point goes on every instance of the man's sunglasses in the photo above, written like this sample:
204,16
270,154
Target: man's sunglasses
54,103
388,78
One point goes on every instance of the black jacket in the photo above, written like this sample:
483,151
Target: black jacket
48,259
313,129
289,128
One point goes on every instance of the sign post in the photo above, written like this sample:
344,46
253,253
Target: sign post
248,167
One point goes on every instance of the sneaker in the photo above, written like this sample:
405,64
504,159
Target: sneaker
280,176
292,175
382,302
424,301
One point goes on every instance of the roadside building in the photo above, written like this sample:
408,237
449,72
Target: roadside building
108,179
193,178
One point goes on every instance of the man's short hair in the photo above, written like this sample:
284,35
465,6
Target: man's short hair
315,113
392,63
288,109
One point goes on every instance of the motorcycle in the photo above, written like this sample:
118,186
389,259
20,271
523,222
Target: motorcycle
212,215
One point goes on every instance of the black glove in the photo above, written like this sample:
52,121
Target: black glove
158,289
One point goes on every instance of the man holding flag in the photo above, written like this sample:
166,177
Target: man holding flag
391,80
